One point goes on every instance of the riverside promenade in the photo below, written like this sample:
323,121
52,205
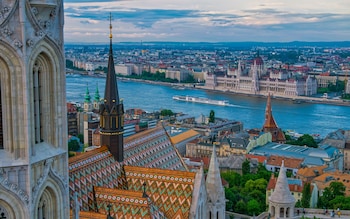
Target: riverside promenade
278,96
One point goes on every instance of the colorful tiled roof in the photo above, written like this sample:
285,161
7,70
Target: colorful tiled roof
125,204
170,190
152,148
90,215
93,168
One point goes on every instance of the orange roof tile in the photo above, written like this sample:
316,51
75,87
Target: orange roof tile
183,136
311,171
293,163
259,158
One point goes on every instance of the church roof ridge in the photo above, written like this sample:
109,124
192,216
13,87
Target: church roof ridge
85,155
160,172
102,191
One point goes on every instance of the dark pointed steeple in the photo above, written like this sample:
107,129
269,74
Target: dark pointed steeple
112,111
111,91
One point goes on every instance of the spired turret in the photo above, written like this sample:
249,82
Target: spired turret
112,112
281,201
215,191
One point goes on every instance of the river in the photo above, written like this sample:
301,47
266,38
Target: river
312,118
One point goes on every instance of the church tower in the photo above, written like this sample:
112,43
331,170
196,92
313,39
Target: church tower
87,101
216,201
96,99
33,122
270,124
112,111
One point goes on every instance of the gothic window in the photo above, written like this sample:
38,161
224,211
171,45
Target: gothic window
114,122
1,130
37,104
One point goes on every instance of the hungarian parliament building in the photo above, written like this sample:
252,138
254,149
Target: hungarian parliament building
256,79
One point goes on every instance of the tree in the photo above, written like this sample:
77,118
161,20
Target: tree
81,138
306,139
246,167
166,112
337,189
240,207
73,145
212,116
253,207
306,196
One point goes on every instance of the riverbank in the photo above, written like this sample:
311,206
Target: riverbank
294,99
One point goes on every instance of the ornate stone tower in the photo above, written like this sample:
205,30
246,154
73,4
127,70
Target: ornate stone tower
216,201
33,123
112,112
281,201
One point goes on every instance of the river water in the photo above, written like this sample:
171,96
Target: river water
308,118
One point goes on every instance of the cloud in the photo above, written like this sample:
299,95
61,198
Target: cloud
206,20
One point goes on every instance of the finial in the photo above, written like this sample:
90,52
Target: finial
109,209
110,25
144,195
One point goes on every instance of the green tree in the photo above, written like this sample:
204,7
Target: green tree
305,139
166,112
306,196
246,167
81,138
337,189
240,207
212,116
253,207
73,145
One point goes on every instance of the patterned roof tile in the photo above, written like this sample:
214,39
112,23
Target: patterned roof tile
170,190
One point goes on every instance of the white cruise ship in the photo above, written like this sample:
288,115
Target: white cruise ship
201,100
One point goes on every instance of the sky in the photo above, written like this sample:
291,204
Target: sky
207,20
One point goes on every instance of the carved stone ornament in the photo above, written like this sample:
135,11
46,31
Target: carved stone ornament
6,7
18,43
30,43
6,31
13,187
42,178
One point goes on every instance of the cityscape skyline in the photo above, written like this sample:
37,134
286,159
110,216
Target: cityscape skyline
207,21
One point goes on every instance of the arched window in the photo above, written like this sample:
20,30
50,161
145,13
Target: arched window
1,130
37,104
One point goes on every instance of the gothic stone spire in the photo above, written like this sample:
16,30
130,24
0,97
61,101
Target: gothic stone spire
112,111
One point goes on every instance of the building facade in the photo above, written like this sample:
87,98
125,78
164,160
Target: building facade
33,150
257,80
